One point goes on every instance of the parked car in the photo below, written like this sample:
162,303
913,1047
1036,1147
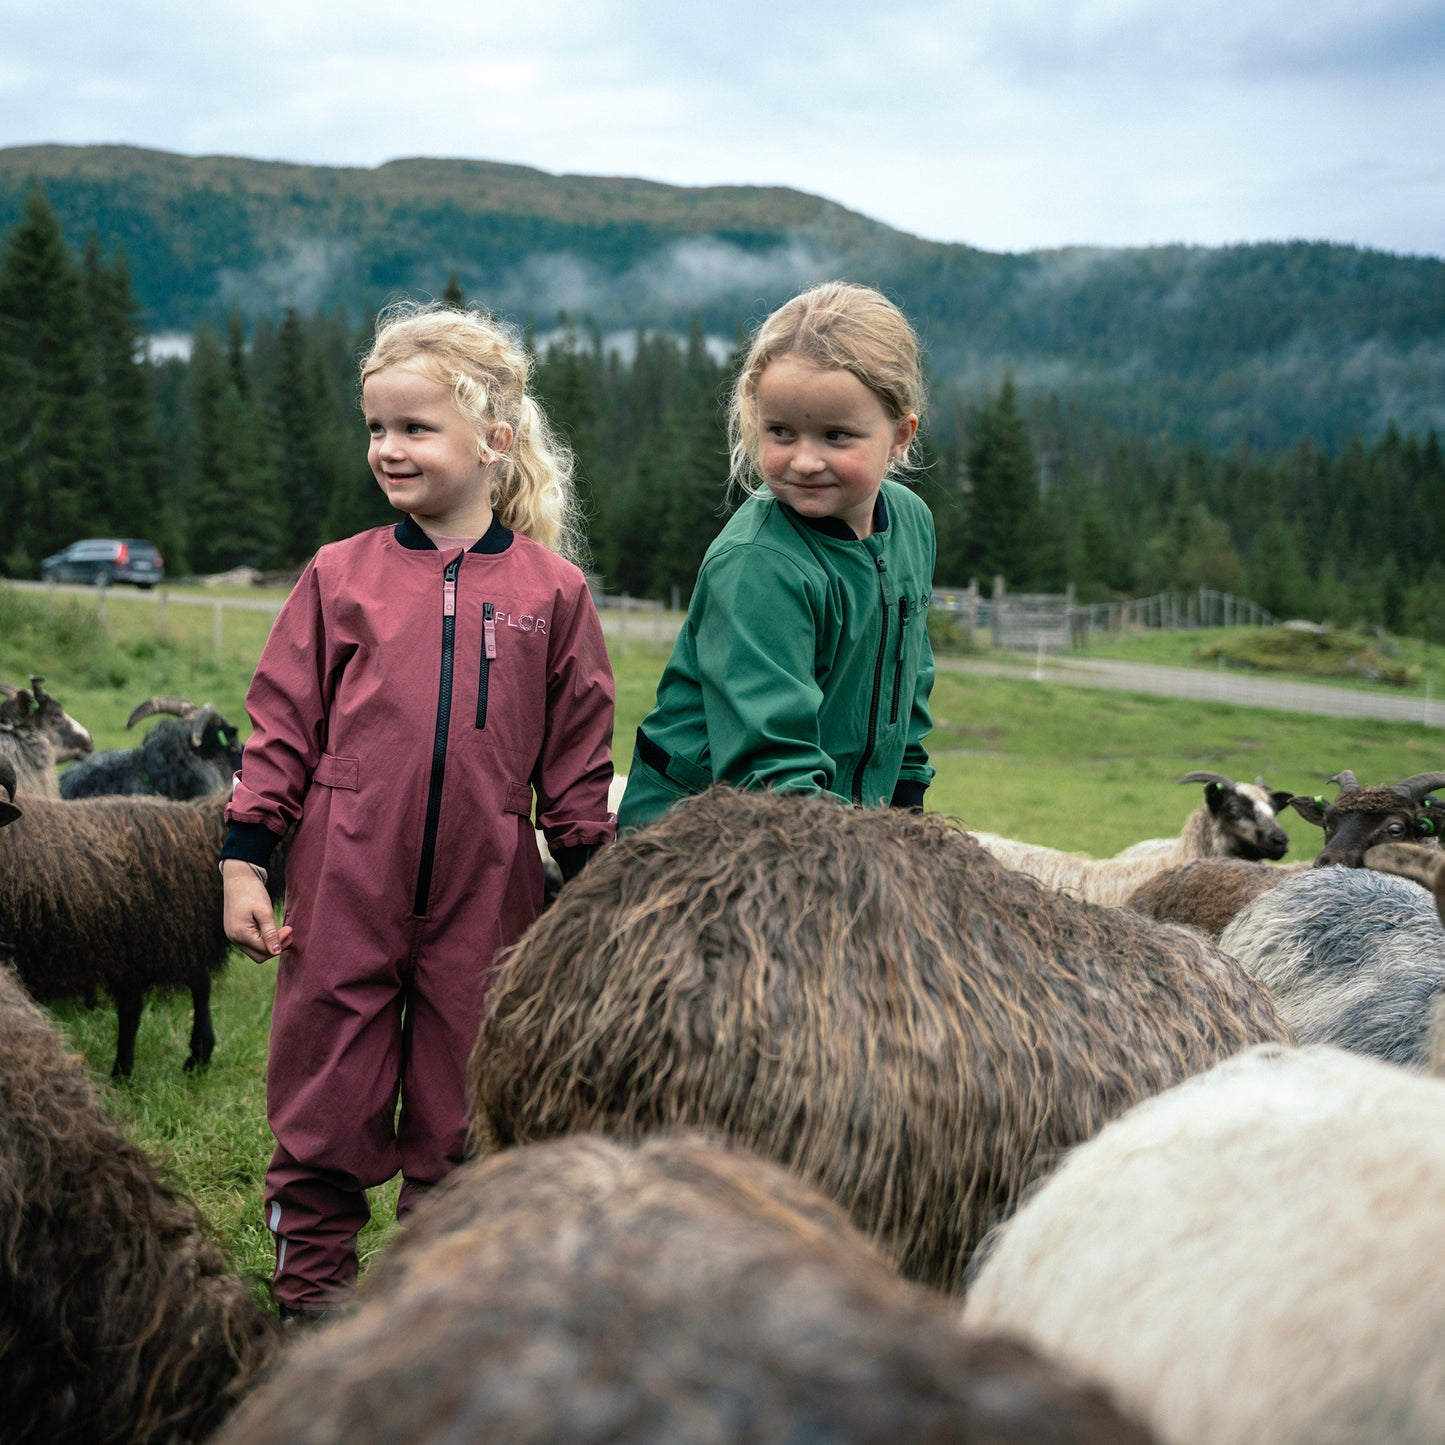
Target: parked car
106,560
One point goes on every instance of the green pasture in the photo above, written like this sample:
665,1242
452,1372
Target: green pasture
1073,767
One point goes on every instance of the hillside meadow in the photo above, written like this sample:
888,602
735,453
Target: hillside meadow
1076,768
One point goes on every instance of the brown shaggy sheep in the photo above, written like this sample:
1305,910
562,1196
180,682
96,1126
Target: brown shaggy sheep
1207,893
120,892
117,1321
672,1291
865,996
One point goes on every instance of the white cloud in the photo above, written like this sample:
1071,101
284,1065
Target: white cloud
1010,124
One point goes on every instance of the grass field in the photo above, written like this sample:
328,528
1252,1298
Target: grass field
1075,768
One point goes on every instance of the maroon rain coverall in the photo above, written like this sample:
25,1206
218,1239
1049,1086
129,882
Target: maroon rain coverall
406,708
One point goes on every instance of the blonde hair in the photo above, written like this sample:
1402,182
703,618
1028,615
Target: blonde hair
485,365
834,325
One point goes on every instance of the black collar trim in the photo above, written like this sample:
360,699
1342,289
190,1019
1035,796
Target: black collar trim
410,535
837,527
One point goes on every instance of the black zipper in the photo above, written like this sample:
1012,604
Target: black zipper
898,667
439,740
489,651
873,702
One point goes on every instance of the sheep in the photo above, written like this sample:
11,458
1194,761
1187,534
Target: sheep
36,734
1251,1256
584,1290
123,892
1353,958
1358,818
1236,820
1207,893
865,996
117,1319
8,811
192,753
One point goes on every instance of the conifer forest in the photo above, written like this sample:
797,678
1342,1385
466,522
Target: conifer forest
250,450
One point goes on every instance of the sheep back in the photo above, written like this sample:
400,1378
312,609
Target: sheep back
117,1319
1353,957
1207,893
1254,1255
675,1290
864,996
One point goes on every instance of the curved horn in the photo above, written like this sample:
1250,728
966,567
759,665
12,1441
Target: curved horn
178,706
1415,788
1345,778
8,689
201,719
1206,778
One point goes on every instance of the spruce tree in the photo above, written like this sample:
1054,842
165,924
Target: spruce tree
52,420
138,488
1002,482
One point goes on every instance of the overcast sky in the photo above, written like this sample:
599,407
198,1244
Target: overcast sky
1007,124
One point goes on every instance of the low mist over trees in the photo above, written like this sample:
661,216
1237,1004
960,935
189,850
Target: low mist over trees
251,450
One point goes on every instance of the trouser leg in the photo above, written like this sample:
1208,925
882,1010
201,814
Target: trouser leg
315,1216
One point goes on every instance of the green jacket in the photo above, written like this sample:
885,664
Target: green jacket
803,665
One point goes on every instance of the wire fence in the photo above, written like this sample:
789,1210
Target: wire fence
1055,622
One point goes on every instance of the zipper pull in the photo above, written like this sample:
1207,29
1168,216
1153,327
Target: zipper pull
449,588
489,628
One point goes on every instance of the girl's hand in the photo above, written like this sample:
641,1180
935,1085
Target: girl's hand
248,914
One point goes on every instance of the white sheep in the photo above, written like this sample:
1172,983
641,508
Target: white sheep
1236,820
1251,1256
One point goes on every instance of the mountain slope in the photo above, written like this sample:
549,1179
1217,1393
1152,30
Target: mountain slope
1258,343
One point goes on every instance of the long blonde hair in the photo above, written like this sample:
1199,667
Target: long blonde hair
834,325
484,364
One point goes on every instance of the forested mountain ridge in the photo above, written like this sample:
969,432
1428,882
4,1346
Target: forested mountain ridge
1259,344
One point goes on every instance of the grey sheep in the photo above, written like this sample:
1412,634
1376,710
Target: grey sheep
118,1320
187,755
1353,958
673,1292
36,735
119,892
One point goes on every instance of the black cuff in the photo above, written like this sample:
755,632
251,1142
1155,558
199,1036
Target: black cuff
908,793
572,860
251,842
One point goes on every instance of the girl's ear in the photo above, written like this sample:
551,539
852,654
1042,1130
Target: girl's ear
903,434
498,443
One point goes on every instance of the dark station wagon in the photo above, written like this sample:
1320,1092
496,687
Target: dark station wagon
104,560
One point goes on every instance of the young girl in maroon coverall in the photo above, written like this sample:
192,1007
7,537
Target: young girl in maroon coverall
421,685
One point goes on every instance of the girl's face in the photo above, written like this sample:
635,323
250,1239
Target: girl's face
826,440
424,452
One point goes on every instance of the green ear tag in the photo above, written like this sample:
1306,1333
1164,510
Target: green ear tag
1319,802
1426,826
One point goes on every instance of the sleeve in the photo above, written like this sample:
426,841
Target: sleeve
288,702
574,767
756,660
916,769
915,773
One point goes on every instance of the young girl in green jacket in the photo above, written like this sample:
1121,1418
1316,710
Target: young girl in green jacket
804,662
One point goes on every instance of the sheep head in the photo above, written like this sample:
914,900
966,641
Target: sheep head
1359,818
1245,814
211,734
38,713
